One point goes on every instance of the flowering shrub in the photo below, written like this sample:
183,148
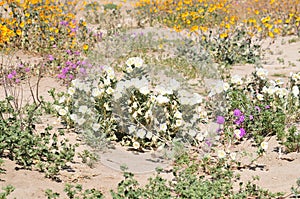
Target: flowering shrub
133,109
258,108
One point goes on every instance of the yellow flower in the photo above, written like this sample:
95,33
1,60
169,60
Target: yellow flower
22,24
19,32
85,47
271,34
223,35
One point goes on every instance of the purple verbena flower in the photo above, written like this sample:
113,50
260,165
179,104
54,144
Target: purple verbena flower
237,112
242,132
220,119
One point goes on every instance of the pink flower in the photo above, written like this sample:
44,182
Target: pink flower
10,76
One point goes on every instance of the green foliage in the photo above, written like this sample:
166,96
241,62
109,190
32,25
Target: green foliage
21,143
75,192
7,190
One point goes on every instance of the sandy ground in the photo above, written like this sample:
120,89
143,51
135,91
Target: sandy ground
278,173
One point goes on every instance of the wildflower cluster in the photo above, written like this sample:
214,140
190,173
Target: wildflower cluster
259,107
133,109
263,18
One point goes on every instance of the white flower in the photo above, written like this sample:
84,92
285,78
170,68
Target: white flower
62,112
162,90
281,92
221,154
144,90
279,81
295,91
200,137
141,133
162,99
136,145
233,156
236,80
135,105
149,135
174,84
62,99
135,61
178,123
71,91
260,97
74,117
129,69
109,90
106,82
83,109
261,73
131,129
192,133
237,133
264,145
178,115
75,83
163,127
80,121
95,126
226,86
134,115
96,92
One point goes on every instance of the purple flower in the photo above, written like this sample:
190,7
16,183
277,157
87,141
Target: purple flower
18,80
82,70
208,143
237,122
10,76
267,107
242,118
237,112
251,117
14,73
242,132
51,58
220,119
257,108
27,70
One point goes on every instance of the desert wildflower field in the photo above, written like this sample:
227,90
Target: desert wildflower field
151,99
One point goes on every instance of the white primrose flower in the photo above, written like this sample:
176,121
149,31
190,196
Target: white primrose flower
192,133
260,97
178,122
295,91
83,109
106,106
163,127
96,92
75,83
162,99
106,82
233,156
135,105
160,89
149,135
144,90
74,117
141,133
178,114
282,92
134,115
71,90
95,126
62,112
80,121
226,86
135,61
136,145
129,69
264,146
261,73
62,99
109,90
237,133
221,154
200,137
236,80
279,81
131,129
